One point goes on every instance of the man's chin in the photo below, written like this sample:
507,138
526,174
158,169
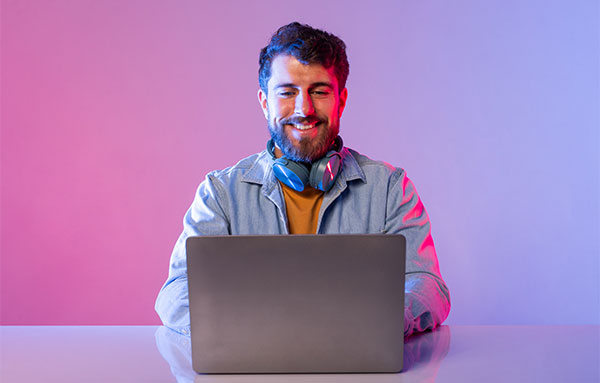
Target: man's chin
300,154
304,149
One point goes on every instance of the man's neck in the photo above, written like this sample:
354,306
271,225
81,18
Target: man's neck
278,152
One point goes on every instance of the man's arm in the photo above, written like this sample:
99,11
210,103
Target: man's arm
204,217
427,299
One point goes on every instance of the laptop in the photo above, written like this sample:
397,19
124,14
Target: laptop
296,303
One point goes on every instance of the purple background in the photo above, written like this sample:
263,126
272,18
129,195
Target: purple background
113,112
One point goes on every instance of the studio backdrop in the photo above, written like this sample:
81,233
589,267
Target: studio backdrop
114,111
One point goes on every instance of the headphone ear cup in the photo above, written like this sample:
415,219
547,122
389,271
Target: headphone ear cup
325,171
293,174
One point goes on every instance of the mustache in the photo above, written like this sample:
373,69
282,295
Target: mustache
301,120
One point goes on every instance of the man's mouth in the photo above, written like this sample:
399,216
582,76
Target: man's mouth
304,126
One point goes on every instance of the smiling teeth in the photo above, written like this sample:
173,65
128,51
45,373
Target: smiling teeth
303,127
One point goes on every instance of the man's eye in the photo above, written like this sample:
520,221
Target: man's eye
321,92
285,94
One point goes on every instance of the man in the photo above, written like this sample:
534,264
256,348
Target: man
308,182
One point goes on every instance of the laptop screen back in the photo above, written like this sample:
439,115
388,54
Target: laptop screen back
293,304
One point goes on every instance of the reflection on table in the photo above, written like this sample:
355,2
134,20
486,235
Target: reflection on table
422,355
449,354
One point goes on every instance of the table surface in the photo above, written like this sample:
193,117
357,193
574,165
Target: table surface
156,354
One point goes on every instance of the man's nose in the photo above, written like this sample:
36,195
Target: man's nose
304,105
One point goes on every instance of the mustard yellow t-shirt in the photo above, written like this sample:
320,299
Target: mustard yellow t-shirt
302,209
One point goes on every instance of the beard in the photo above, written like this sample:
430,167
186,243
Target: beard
307,149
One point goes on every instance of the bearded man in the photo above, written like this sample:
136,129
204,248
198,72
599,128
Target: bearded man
308,182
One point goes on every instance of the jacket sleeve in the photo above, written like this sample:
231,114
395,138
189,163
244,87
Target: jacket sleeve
204,217
427,299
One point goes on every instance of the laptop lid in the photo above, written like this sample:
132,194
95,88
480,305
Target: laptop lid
296,303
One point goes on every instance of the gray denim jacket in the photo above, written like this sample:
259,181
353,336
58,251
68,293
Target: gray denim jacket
368,197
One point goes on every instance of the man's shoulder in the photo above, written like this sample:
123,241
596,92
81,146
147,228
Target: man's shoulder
371,167
250,168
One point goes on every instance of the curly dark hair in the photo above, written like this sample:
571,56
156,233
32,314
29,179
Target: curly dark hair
308,45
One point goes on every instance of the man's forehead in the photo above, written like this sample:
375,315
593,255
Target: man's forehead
287,69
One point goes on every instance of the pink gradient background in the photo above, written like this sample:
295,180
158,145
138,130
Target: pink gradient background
113,112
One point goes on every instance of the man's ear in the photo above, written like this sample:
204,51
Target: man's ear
262,100
343,98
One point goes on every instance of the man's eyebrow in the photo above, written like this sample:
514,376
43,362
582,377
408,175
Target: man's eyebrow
322,83
313,85
285,85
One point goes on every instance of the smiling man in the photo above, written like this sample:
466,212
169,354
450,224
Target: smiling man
308,182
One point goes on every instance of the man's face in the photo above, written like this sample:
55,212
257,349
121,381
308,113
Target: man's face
303,107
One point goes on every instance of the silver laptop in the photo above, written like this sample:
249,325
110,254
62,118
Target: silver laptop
297,303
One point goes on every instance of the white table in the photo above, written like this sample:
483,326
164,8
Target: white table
155,354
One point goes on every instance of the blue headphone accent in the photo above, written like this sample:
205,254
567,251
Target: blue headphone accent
322,174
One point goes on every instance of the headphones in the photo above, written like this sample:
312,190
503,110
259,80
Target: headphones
322,174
